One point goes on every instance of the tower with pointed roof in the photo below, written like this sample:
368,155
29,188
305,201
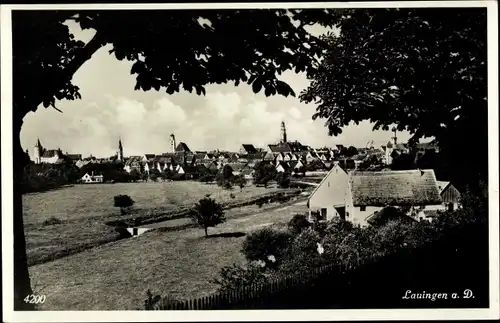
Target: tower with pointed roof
120,150
37,155
172,143
283,132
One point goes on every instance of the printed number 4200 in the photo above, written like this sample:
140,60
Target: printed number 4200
35,299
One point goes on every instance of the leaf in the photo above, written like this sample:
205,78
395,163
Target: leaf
284,89
256,86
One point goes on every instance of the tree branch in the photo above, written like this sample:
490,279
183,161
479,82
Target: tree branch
81,57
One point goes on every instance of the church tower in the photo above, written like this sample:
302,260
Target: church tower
120,150
37,155
391,145
172,142
283,132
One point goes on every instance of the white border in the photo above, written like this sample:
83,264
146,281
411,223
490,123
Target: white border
282,315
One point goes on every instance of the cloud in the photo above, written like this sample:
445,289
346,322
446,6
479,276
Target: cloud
295,113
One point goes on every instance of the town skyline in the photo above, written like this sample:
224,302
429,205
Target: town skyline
225,118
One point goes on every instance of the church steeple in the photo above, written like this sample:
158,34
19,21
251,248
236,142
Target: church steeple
120,150
283,132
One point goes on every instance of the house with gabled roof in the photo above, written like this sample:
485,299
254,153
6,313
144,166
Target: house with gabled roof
328,200
283,167
182,147
148,157
369,192
449,194
247,149
92,178
279,148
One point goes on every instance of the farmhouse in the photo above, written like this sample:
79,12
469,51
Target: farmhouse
449,194
89,179
369,192
328,198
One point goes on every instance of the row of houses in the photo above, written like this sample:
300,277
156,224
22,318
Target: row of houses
360,197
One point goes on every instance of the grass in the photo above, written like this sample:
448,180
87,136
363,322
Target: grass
83,209
180,263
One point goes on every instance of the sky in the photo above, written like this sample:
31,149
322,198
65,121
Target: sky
225,118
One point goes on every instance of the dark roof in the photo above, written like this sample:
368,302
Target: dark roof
149,156
50,153
257,155
296,146
74,157
408,187
250,149
280,148
182,147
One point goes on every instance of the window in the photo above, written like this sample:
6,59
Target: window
328,184
362,208
322,216
450,206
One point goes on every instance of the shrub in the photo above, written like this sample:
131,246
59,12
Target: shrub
236,277
232,196
266,242
283,180
298,223
123,202
302,253
52,221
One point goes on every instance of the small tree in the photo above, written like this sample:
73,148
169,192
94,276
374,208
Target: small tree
283,180
208,213
351,151
240,181
123,202
264,172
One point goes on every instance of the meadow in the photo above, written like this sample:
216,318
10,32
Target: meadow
181,264
83,209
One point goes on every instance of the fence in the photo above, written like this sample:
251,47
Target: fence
447,266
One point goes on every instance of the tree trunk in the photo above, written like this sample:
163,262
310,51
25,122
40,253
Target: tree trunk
206,232
22,283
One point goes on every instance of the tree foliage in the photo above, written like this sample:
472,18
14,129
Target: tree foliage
263,173
207,213
212,46
414,69
123,202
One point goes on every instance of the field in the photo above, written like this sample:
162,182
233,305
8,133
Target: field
83,209
181,264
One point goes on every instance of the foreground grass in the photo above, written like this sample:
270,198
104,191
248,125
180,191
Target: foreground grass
83,209
181,264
